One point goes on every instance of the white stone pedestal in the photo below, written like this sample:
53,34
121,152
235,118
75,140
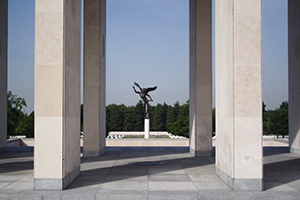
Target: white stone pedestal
147,128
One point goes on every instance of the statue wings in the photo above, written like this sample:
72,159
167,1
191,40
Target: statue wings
147,89
151,89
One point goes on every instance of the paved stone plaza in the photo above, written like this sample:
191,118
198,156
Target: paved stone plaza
113,176
238,81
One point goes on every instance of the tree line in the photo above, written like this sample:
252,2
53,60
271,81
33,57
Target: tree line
18,121
171,118
276,122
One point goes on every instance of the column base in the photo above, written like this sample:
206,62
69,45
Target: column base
201,153
93,153
240,184
294,150
3,149
55,183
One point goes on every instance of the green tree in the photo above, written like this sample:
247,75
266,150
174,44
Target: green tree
26,126
213,121
284,105
181,126
176,109
159,117
129,119
81,117
139,116
265,119
116,117
276,121
18,122
108,114
171,118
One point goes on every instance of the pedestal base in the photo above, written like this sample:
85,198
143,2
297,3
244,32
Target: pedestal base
147,128
240,184
56,183
93,153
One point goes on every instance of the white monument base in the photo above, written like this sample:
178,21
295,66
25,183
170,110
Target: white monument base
147,128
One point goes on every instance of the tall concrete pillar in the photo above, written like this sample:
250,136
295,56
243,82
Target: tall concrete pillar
239,158
57,93
3,74
94,127
294,74
200,78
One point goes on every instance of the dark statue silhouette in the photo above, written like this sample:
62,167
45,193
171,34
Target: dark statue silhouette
144,94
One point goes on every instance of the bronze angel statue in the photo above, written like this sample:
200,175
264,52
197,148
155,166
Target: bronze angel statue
144,94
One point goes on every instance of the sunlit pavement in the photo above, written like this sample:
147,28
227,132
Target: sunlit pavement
149,173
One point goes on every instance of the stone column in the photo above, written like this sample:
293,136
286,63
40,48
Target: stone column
200,78
57,93
294,74
94,133
3,73
239,158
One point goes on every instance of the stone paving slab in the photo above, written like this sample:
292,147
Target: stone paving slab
211,185
169,177
204,177
111,176
171,186
125,186
127,177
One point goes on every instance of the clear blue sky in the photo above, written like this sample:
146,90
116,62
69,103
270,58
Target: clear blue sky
147,42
